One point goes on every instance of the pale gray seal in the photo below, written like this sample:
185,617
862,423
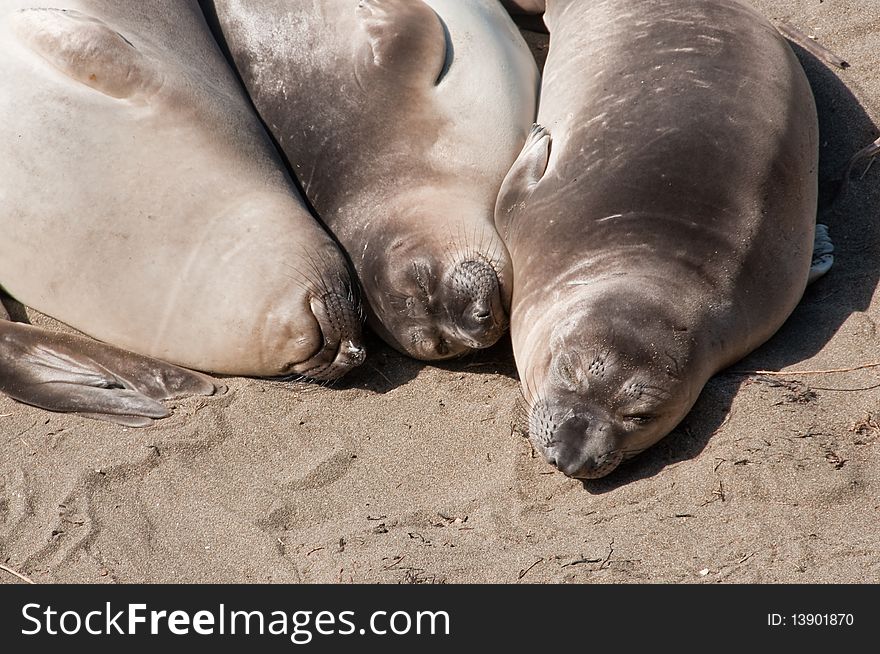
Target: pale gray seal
660,221
400,118
144,205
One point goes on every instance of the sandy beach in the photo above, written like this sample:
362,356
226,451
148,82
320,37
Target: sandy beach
405,472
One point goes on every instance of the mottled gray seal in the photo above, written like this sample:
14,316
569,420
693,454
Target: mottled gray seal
400,118
144,205
660,222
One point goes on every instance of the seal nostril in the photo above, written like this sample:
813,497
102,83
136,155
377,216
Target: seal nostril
482,315
569,468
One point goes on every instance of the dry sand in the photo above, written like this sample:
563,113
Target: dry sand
408,472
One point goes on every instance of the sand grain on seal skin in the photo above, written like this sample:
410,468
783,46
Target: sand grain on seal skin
762,482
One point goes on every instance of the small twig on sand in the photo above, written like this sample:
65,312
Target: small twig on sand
794,373
395,563
610,552
810,45
27,580
523,573
581,561
846,390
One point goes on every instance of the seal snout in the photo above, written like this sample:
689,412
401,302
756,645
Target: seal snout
477,309
340,331
590,468
582,448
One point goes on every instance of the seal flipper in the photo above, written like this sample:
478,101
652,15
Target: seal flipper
524,175
87,50
406,37
823,254
73,374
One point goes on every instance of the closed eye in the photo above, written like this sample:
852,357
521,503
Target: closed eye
421,280
639,418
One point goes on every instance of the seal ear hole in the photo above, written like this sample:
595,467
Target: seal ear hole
87,50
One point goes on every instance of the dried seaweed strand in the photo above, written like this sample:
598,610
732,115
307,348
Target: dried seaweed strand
794,373
810,45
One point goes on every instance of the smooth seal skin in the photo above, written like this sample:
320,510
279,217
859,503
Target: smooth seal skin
142,203
400,119
660,223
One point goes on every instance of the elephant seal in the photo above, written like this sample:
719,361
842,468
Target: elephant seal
143,204
400,119
660,219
